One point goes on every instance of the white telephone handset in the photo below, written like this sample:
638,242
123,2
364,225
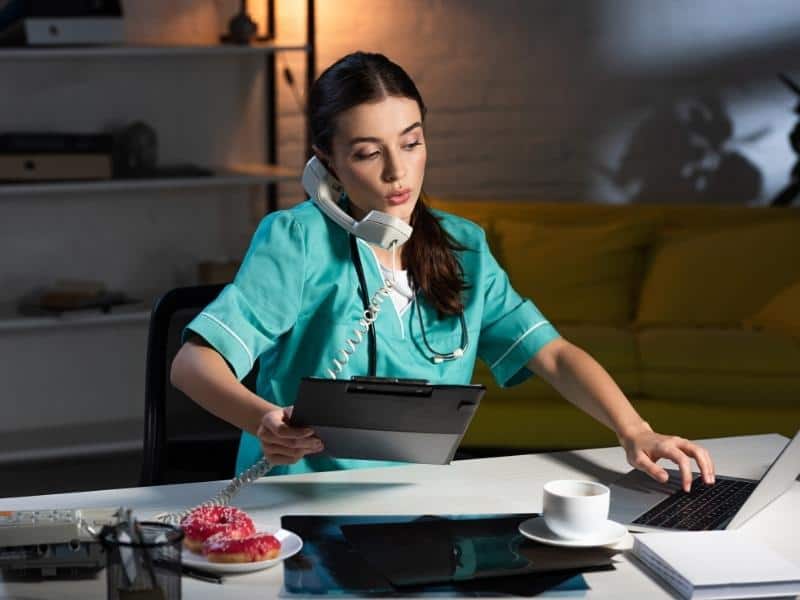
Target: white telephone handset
377,227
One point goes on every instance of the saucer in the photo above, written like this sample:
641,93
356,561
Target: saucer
537,530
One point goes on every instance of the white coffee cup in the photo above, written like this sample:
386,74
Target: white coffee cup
575,509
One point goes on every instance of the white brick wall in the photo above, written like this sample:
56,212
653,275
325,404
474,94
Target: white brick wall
537,98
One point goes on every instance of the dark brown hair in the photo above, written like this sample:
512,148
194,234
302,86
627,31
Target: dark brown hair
429,255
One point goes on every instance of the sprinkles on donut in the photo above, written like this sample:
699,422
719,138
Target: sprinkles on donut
205,521
253,548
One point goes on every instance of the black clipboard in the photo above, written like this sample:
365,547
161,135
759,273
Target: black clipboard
378,418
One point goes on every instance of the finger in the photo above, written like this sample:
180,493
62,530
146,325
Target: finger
275,450
287,431
307,445
701,457
280,447
677,456
278,427
642,462
310,444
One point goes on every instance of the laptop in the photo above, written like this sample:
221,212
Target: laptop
385,418
643,504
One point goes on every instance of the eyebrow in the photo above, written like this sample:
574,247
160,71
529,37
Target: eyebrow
411,127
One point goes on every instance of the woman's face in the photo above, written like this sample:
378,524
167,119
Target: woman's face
378,154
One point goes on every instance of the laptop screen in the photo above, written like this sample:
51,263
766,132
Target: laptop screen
778,478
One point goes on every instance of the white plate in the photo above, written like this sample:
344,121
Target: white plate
290,545
537,530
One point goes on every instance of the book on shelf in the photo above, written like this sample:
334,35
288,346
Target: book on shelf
23,142
28,168
31,157
717,564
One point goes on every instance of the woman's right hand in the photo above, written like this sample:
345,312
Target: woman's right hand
283,444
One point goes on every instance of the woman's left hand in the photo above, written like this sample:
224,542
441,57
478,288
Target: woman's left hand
644,447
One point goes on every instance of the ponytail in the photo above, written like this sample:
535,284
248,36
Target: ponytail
433,268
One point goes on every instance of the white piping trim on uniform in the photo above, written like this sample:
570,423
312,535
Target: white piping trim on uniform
380,273
516,343
229,330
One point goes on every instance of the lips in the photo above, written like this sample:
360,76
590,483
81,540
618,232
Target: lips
399,197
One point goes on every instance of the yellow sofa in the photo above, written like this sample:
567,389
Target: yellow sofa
694,310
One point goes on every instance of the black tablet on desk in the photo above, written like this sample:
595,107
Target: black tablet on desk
377,418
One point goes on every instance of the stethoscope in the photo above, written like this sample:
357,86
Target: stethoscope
435,356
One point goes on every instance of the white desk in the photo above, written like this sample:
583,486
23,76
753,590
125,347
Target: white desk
492,485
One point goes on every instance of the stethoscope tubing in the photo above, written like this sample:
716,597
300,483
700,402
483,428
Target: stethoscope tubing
372,339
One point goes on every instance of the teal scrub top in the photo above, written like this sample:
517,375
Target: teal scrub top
295,300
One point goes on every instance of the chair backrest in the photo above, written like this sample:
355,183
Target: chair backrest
182,441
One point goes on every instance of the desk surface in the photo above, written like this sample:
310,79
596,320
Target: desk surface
489,485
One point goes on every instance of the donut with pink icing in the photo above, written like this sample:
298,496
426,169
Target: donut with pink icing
252,548
206,521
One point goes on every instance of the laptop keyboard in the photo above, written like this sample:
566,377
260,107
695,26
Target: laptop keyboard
704,507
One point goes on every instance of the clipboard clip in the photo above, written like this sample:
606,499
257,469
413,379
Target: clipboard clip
389,385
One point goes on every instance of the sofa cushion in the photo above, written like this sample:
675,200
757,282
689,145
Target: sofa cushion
730,389
481,213
551,426
718,278
719,365
614,348
719,350
781,314
536,389
583,274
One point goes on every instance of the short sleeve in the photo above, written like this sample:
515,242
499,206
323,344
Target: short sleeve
512,328
250,314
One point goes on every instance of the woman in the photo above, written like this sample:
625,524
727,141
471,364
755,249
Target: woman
297,296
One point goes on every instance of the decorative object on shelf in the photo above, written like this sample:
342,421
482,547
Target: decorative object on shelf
792,191
59,23
136,156
68,295
135,150
242,29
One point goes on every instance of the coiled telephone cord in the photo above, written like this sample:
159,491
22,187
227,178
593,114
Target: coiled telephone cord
262,466
368,317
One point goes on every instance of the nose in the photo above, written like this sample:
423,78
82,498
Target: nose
393,168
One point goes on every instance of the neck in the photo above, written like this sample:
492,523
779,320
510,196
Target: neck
385,257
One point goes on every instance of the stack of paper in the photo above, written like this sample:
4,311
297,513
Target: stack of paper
717,564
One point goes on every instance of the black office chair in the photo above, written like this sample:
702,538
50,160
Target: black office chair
182,441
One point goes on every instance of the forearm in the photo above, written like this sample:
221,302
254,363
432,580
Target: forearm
586,384
203,375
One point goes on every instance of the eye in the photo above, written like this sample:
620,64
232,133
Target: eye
366,155
412,145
